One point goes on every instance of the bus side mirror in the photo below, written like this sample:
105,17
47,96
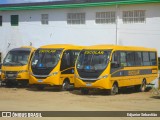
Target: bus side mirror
114,65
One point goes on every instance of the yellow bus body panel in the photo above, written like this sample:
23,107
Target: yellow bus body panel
20,75
123,81
59,78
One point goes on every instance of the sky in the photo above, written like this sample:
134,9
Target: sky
23,1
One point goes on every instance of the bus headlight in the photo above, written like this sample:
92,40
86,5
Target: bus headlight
105,76
23,71
54,73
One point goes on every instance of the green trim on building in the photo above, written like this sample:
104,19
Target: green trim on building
81,5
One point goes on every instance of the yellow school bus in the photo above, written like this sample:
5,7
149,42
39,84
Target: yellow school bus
15,66
53,65
112,67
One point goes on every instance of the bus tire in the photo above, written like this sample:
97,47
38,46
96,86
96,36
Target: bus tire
66,85
114,89
143,86
84,91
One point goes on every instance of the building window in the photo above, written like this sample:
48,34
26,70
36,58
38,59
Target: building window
136,16
0,20
76,18
105,17
14,20
44,19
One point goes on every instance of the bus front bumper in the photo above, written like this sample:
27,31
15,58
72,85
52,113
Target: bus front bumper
48,81
18,77
100,84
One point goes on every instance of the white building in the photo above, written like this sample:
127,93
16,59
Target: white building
82,22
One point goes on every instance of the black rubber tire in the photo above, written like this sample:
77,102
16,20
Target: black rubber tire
114,89
84,91
143,86
66,85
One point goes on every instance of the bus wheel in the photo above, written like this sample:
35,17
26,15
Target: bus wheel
40,87
66,85
114,89
143,86
84,91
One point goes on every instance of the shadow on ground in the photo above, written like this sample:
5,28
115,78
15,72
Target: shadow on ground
46,89
106,93
156,97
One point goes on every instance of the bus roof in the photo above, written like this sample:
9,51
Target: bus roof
119,47
23,48
30,47
64,46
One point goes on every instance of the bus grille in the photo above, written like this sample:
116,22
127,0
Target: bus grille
85,74
11,74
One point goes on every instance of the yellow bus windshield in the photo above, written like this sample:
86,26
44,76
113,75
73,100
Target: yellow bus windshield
92,62
45,60
16,58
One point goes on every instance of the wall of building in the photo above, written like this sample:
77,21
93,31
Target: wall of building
141,34
31,31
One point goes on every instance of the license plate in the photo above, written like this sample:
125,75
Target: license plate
10,75
40,80
88,84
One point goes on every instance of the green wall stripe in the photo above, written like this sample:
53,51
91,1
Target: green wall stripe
78,5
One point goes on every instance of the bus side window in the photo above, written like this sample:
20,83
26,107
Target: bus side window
75,55
123,59
146,61
66,60
138,59
115,63
153,60
130,59
71,59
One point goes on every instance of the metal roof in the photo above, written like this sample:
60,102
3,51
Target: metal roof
70,4
21,49
118,47
60,46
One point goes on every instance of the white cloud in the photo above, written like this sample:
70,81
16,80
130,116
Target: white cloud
26,1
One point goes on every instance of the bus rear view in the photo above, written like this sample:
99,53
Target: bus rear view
53,65
15,66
